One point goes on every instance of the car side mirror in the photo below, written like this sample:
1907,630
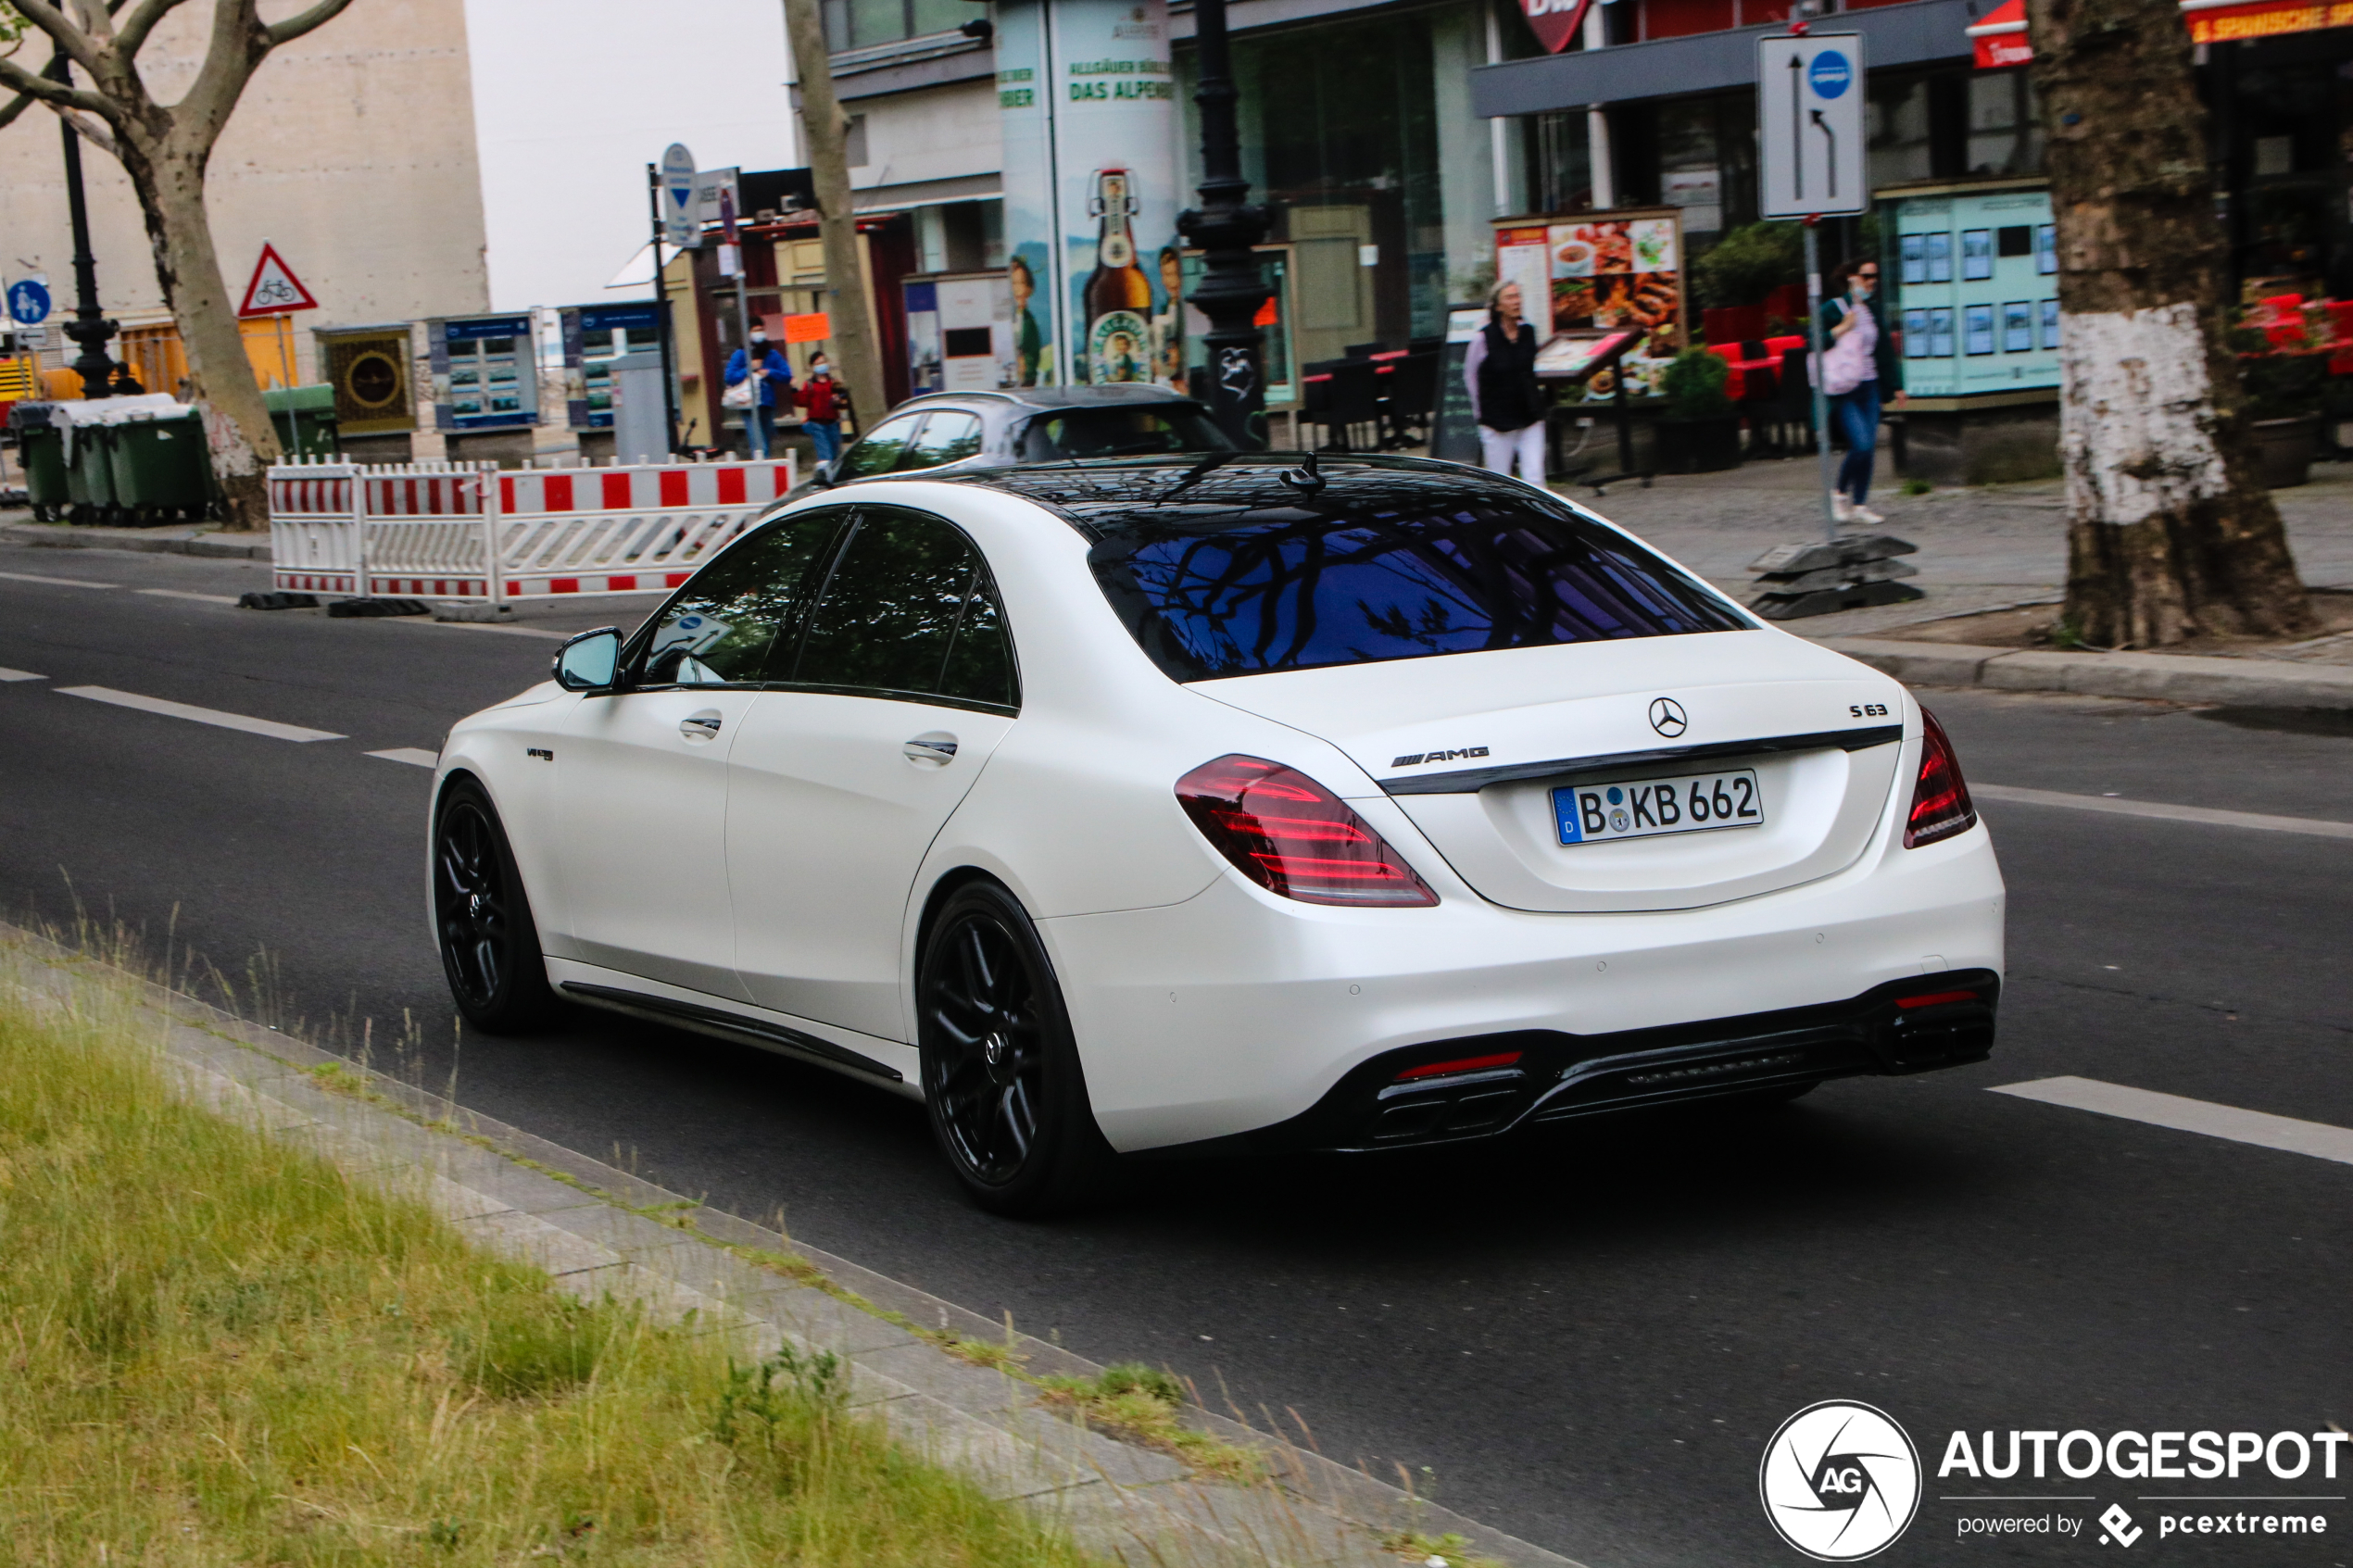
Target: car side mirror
589,661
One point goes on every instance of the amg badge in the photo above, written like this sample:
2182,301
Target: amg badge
1413,758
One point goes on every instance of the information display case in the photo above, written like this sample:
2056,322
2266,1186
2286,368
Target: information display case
1973,286
593,336
486,372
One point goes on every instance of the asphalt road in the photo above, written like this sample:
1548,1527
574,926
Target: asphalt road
1585,1341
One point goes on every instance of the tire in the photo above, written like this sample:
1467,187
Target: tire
1000,1074
483,923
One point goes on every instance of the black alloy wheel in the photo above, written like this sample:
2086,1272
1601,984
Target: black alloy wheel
482,922
1000,1072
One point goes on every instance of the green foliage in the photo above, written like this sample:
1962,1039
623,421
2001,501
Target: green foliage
1749,263
223,1349
1694,385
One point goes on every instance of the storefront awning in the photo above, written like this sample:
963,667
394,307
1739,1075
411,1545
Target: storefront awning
2001,37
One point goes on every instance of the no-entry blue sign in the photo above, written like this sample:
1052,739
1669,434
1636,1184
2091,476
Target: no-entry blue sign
27,302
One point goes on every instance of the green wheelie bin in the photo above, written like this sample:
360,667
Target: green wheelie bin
159,467
90,496
305,419
41,451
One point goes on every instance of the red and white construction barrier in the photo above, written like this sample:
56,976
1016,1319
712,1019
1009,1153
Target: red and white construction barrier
471,532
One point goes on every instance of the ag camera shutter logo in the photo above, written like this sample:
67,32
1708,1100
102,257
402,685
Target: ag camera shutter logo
1841,1481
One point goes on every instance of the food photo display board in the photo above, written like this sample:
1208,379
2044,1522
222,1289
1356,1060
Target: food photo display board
1602,272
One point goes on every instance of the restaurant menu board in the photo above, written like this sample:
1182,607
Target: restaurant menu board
1607,272
1453,434
1976,291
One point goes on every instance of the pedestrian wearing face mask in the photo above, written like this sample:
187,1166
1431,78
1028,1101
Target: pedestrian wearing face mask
821,401
775,383
1859,369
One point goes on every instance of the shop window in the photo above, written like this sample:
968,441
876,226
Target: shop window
2005,124
1560,161
864,24
1899,131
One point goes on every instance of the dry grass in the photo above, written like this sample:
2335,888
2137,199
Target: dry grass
1146,1405
215,1348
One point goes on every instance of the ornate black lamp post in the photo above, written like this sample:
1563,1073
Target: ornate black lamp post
1225,228
90,327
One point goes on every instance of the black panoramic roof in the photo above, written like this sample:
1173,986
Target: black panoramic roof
1115,395
1220,489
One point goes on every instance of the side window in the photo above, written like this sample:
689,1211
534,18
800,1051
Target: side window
948,437
717,630
894,615
881,448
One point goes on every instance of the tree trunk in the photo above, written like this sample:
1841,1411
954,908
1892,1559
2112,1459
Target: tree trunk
857,357
243,440
2171,531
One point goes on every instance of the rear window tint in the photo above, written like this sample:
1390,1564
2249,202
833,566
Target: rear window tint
1281,588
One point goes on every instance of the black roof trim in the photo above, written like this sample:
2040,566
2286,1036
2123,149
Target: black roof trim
1470,781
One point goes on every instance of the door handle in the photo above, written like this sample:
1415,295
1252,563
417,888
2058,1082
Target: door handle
701,726
930,751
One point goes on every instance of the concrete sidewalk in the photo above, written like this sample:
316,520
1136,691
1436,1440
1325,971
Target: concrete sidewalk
1980,549
600,1231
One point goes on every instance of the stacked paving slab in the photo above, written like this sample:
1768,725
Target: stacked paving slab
1852,572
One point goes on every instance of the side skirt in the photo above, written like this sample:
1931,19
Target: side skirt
732,1026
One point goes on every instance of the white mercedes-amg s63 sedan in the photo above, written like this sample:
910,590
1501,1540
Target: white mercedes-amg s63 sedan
1211,803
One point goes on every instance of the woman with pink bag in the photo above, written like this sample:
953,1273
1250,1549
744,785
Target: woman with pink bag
1859,366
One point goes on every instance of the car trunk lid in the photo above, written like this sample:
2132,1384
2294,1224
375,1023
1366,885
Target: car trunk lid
1471,747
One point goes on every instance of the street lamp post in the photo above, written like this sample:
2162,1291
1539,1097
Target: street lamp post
90,327
1225,228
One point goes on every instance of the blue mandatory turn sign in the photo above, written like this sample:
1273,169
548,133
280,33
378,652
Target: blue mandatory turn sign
27,302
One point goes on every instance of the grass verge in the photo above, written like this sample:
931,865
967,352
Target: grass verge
1145,1405
217,1349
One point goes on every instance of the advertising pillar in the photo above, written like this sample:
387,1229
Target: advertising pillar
1090,191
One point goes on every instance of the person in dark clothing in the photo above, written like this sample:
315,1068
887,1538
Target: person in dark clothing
1860,369
1506,400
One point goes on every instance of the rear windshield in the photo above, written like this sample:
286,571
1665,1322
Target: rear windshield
1114,431
1277,589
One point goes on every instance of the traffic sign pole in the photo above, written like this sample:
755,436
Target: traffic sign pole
662,313
1821,401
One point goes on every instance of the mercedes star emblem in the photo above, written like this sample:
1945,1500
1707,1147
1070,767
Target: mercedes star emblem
1667,718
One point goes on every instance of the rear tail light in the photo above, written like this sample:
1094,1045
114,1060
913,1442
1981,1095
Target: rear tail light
1291,835
1940,806
1938,999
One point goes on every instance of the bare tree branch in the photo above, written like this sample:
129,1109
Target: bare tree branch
293,26
72,40
140,23
239,43
54,93
95,20
95,132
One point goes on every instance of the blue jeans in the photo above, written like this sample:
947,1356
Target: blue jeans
763,433
826,434
1855,414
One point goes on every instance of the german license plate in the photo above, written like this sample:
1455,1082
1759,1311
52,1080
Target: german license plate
1648,808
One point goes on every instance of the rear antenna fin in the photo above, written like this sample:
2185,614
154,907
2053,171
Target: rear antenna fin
1305,477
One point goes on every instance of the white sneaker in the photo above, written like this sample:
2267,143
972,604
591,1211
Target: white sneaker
1863,514
1841,509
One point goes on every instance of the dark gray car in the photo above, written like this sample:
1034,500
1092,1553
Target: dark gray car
972,430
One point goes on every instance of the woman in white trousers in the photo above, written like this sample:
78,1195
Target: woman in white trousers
1499,373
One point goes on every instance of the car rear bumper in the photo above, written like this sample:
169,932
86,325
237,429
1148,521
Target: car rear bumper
1237,1015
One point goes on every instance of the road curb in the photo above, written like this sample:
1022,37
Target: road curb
66,536
2237,682
591,1226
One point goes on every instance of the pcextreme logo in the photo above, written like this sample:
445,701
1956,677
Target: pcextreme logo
1841,1481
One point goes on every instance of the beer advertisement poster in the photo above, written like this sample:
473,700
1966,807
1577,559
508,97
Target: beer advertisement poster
1031,273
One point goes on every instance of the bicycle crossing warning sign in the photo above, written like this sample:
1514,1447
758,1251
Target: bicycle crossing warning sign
275,291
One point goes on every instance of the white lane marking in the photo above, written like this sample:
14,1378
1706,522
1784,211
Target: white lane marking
56,582
20,675
2263,1130
200,715
2316,826
183,594
409,755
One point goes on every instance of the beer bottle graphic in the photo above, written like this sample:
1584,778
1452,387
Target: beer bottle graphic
1118,299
